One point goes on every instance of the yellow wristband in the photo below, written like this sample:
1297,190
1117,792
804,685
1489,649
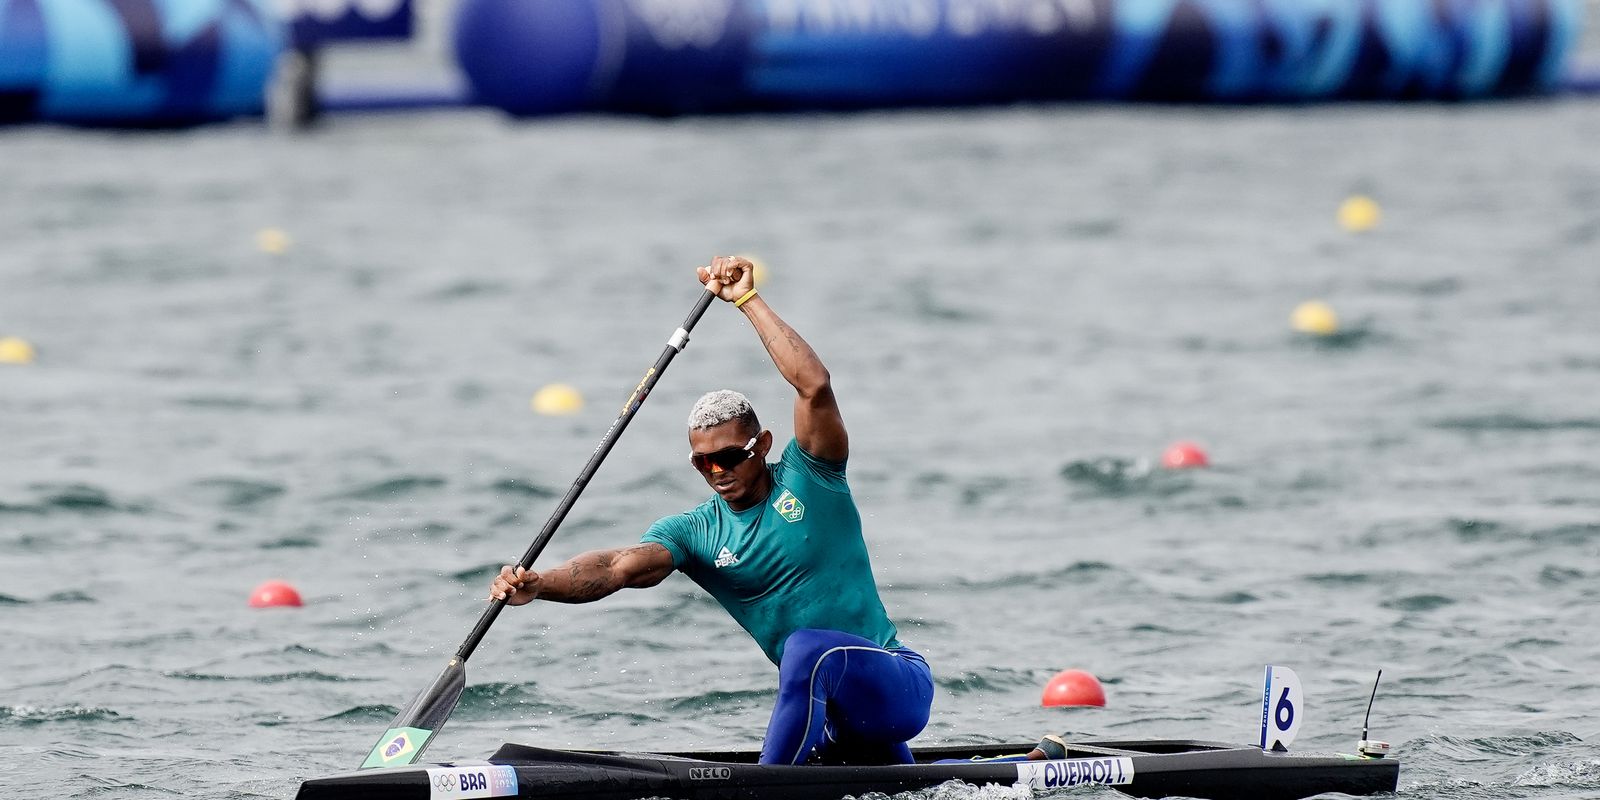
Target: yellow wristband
747,296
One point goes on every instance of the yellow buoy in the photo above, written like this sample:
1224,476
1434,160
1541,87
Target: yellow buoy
1359,213
557,399
1315,317
760,268
272,241
15,351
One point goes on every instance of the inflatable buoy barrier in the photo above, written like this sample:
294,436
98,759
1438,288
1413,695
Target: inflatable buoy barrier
175,62
138,62
684,56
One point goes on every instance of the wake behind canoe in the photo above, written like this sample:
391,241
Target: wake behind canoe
1142,768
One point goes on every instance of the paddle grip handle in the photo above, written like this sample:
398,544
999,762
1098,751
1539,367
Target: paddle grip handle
679,340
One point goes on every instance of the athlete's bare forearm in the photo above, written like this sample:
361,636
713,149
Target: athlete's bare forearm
584,578
796,361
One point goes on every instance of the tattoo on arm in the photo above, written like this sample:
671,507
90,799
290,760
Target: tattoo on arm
587,577
592,576
589,580
783,329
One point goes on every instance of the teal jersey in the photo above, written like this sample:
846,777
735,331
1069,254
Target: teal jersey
796,560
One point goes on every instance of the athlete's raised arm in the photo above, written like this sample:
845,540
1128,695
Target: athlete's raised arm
818,425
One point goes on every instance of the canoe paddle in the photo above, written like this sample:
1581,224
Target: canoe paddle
416,725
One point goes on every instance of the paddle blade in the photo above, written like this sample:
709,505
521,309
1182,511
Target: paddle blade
415,726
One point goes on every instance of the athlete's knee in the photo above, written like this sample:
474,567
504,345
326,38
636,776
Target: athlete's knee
887,720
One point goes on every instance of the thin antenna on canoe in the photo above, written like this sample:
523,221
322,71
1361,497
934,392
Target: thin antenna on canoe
1369,747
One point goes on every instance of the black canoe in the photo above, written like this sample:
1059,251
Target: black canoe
1142,768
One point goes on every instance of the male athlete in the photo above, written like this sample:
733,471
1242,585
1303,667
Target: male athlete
780,547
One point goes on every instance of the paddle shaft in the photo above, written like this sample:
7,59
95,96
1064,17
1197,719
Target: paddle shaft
675,345
414,727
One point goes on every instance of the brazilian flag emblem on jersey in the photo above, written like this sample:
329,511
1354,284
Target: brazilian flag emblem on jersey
789,506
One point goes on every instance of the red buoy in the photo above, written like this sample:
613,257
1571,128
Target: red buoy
1073,687
274,593
1183,455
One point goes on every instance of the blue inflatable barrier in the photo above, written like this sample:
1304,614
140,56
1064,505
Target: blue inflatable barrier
685,56
134,62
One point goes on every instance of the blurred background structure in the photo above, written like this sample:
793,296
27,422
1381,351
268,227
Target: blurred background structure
143,62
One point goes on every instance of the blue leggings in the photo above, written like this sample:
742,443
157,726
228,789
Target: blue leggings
848,699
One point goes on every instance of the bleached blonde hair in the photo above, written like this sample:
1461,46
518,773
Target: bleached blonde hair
720,406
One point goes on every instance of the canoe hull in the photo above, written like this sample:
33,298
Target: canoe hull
1143,768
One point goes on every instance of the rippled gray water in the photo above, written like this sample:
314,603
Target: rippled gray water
1020,309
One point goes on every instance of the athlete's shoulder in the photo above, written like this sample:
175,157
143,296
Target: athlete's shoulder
795,459
683,534
695,519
